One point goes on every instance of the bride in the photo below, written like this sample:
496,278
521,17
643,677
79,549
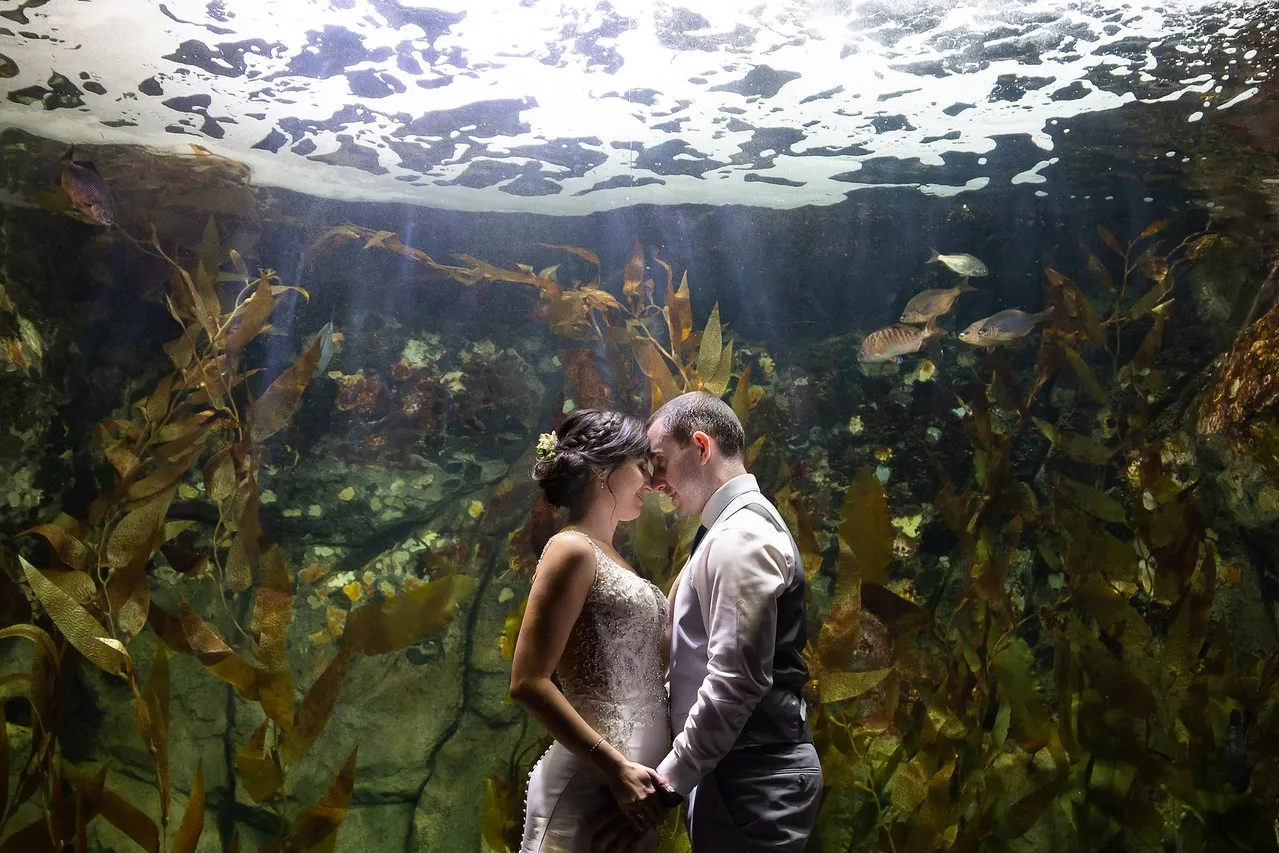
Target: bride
589,656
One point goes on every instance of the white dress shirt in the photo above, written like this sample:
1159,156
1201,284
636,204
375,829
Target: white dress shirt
724,626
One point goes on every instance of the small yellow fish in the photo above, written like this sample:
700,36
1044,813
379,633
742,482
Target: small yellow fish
962,264
931,304
86,190
892,343
1001,328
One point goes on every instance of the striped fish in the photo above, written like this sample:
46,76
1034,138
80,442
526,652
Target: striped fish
86,190
892,343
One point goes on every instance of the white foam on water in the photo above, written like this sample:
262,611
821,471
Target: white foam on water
1031,175
1242,96
774,103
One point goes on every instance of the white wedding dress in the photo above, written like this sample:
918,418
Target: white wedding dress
611,673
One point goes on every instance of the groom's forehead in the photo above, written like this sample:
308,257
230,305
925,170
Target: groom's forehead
664,443
661,449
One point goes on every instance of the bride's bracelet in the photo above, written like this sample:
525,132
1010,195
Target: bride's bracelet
597,743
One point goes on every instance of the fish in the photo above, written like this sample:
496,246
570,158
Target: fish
86,189
1004,327
931,304
326,347
892,343
965,265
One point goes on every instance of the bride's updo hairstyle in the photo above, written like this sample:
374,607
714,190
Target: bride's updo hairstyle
588,442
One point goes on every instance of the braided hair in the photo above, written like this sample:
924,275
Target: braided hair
588,441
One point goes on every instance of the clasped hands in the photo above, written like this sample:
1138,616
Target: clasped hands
639,792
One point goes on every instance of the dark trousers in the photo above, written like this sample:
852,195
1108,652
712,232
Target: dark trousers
759,799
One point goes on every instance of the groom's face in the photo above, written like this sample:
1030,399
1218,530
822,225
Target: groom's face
678,471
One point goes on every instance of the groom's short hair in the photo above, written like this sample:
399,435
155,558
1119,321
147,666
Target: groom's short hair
701,411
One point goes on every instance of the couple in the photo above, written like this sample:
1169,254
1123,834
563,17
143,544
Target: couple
598,644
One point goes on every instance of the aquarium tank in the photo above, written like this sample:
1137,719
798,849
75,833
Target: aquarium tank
289,289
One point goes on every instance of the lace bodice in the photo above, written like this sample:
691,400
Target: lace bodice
612,668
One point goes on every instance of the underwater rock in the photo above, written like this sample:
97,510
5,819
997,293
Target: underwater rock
1243,396
363,506
104,728
422,351
1241,620
33,380
1222,287
103,837
430,723
485,734
1239,489
434,396
1236,421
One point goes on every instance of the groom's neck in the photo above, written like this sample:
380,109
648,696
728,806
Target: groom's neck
726,470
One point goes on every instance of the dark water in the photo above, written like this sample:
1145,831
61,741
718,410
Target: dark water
1041,575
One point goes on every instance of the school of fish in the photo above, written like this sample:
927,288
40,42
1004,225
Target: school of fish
908,336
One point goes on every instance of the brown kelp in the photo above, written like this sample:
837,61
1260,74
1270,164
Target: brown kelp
656,337
92,594
1068,694
642,339
1063,686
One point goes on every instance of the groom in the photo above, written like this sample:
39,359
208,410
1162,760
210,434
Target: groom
743,755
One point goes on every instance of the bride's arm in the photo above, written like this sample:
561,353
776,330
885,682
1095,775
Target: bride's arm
563,577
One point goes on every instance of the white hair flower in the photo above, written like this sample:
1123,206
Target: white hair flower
546,443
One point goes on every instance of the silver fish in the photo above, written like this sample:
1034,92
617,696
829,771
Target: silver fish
86,190
892,343
1004,327
961,264
326,347
931,304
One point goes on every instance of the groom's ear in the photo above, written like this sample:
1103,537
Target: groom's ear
703,442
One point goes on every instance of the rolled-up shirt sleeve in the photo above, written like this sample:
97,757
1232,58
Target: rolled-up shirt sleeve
737,585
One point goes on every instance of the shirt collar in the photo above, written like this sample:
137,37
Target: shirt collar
724,495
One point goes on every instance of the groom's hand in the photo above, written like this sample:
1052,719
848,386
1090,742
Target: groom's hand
619,830
616,831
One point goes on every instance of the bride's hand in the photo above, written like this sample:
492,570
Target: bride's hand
634,787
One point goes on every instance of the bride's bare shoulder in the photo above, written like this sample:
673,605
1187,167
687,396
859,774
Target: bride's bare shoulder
567,552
